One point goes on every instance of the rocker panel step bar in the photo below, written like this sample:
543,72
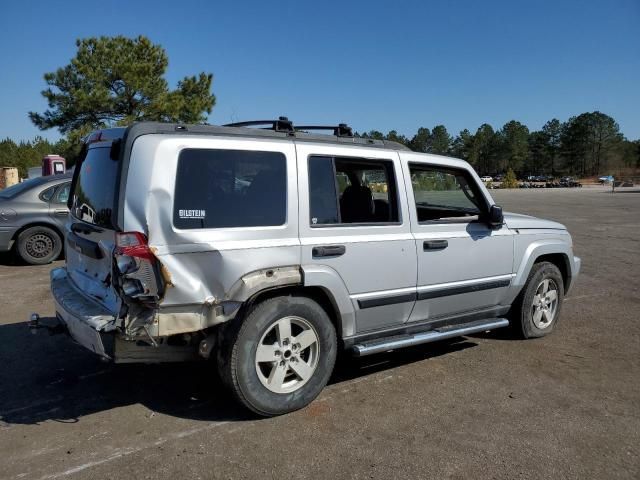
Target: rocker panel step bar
443,333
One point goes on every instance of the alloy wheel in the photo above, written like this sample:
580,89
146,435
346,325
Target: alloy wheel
287,354
545,303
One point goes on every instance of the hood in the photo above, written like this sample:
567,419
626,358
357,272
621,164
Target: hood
519,221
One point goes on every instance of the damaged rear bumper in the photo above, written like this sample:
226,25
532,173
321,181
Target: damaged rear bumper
88,322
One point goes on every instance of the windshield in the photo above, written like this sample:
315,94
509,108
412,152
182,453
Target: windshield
18,188
94,191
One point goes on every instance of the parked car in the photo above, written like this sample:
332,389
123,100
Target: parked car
336,242
606,179
32,218
569,182
486,179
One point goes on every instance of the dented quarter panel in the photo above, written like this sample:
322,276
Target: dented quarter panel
206,266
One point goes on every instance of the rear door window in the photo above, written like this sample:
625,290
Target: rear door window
46,195
230,188
62,194
351,191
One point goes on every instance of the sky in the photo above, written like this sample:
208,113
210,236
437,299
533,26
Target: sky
374,65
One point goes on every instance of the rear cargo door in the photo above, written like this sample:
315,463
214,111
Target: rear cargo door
90,233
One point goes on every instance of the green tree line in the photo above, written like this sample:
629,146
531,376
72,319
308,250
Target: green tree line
587,144
27,154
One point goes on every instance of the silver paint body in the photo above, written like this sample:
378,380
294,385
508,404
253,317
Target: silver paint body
213,271
27,209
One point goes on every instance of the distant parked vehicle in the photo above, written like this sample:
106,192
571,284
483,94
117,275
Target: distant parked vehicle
32,218
569,182
606,179
53,165
486,179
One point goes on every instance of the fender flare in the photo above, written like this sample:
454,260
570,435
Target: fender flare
331,282
534,251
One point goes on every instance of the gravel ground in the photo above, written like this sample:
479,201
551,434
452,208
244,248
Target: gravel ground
566,406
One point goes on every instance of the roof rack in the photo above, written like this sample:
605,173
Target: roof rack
341,130
282,124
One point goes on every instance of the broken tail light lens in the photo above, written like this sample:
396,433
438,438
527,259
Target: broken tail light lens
136,265
133,244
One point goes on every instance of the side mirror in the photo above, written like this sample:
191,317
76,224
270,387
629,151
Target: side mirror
495,218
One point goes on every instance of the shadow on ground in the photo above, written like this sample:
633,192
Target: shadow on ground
10,259
49,378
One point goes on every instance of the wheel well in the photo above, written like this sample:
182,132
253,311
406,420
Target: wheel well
317,294
561,261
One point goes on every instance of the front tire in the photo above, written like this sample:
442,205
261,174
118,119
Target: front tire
39,245
538,307
280,356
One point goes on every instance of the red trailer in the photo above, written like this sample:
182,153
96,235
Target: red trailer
53,165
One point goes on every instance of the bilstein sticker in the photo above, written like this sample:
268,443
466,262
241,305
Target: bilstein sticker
195,214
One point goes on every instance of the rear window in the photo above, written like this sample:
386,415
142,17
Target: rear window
230,188
94,192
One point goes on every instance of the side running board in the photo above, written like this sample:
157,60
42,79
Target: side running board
442,333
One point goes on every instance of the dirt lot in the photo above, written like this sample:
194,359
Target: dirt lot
566,406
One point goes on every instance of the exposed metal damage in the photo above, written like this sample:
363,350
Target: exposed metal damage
143,321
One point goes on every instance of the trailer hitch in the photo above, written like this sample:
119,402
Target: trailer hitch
35,325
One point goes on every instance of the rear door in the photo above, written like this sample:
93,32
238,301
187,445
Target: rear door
90,232
58,209
352,220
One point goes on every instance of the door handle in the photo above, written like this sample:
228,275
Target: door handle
328,251
61,212
435,244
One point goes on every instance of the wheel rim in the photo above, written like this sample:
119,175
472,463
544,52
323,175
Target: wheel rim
287,354
545,303
39,245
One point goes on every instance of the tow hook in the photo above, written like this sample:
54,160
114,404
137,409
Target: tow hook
35,325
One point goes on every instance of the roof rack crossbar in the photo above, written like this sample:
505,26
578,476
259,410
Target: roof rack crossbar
341,130
282,124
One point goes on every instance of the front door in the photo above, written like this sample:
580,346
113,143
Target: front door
464,267
352,221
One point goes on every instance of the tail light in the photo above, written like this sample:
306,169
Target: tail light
133,244
136,265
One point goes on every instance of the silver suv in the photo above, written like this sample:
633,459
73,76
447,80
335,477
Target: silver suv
268,249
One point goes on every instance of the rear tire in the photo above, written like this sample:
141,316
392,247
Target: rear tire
279,357
537,309
39,245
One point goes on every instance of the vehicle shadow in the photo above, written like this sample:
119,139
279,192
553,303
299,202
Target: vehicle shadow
624,190
45,378
10,259
506,334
